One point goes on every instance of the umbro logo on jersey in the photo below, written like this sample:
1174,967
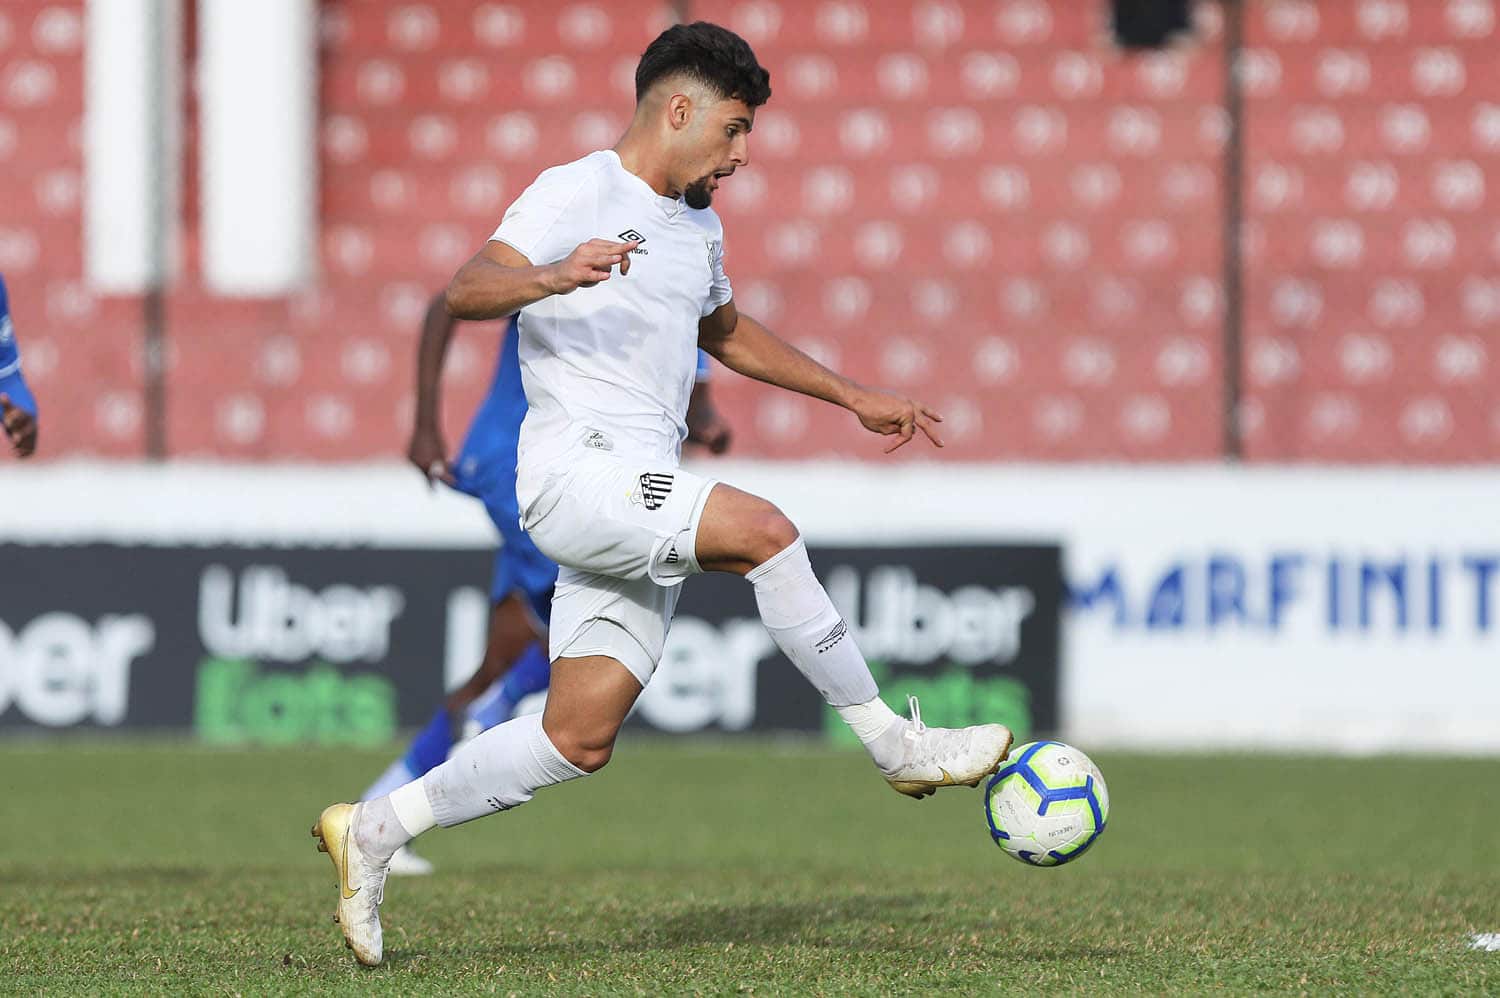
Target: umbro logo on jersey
833,637
632,236
654,489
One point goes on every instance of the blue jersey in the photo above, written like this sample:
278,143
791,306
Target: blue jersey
487,458
11,382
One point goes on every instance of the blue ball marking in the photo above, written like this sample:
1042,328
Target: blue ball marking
1048,796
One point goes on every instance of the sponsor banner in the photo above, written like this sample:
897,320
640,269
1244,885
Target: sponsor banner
971,630
252,645
1256,634
1296,609
241,645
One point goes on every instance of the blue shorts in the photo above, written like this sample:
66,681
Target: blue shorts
519,566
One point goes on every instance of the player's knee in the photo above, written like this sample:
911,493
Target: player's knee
770,534
591,760
589,751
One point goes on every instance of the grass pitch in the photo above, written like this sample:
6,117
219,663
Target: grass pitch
750,867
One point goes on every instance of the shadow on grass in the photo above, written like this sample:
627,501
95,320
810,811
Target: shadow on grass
867,923
138,876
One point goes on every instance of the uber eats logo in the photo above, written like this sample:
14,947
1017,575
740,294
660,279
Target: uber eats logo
274,649
953,649
62,669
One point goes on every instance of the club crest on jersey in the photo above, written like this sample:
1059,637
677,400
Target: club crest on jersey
632,236
655,487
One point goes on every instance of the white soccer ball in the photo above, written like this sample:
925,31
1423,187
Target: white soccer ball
1047,805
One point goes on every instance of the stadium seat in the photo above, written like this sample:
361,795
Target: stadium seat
980,203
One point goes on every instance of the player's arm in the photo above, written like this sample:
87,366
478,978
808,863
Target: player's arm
427,449
18,413
499,280
742,344
20,425
706,427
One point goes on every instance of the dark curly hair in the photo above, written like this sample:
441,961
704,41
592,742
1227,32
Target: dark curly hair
714,56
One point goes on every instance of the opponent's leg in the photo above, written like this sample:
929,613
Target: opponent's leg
500,769
531,674
513,626
748,536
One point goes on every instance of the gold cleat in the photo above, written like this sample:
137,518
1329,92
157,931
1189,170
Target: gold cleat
947,757
361,882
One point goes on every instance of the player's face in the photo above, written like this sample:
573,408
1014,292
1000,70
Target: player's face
719,145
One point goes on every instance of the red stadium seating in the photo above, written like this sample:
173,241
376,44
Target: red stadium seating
980,203
1370,319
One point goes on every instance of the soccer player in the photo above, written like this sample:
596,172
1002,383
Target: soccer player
514,664
615,263
17,406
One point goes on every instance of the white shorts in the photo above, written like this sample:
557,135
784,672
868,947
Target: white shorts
624,531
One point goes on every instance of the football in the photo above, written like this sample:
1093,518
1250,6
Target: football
1047,805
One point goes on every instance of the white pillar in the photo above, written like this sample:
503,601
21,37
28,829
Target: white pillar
257,127
131,142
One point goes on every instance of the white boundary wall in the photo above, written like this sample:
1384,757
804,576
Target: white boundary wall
1268,608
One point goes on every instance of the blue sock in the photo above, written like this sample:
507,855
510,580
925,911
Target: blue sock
531,674
431,746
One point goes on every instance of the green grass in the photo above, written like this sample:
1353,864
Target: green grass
750,867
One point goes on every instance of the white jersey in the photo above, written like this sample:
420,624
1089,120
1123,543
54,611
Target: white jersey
618,359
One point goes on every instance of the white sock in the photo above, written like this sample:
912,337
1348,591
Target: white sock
808,629
869,720
412,809
495,771
379,831
395,775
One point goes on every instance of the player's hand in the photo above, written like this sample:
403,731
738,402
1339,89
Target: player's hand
896,415
429,454
589,264
20,426
707,428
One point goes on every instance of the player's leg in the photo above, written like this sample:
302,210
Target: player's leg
520,594
500,769
744,534
503,767
512,628
607,634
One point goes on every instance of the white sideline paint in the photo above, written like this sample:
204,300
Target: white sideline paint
1384,679
1487,941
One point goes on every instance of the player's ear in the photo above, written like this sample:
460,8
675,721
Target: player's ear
679,110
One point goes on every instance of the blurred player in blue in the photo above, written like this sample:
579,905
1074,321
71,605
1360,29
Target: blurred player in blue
515,659
17,406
